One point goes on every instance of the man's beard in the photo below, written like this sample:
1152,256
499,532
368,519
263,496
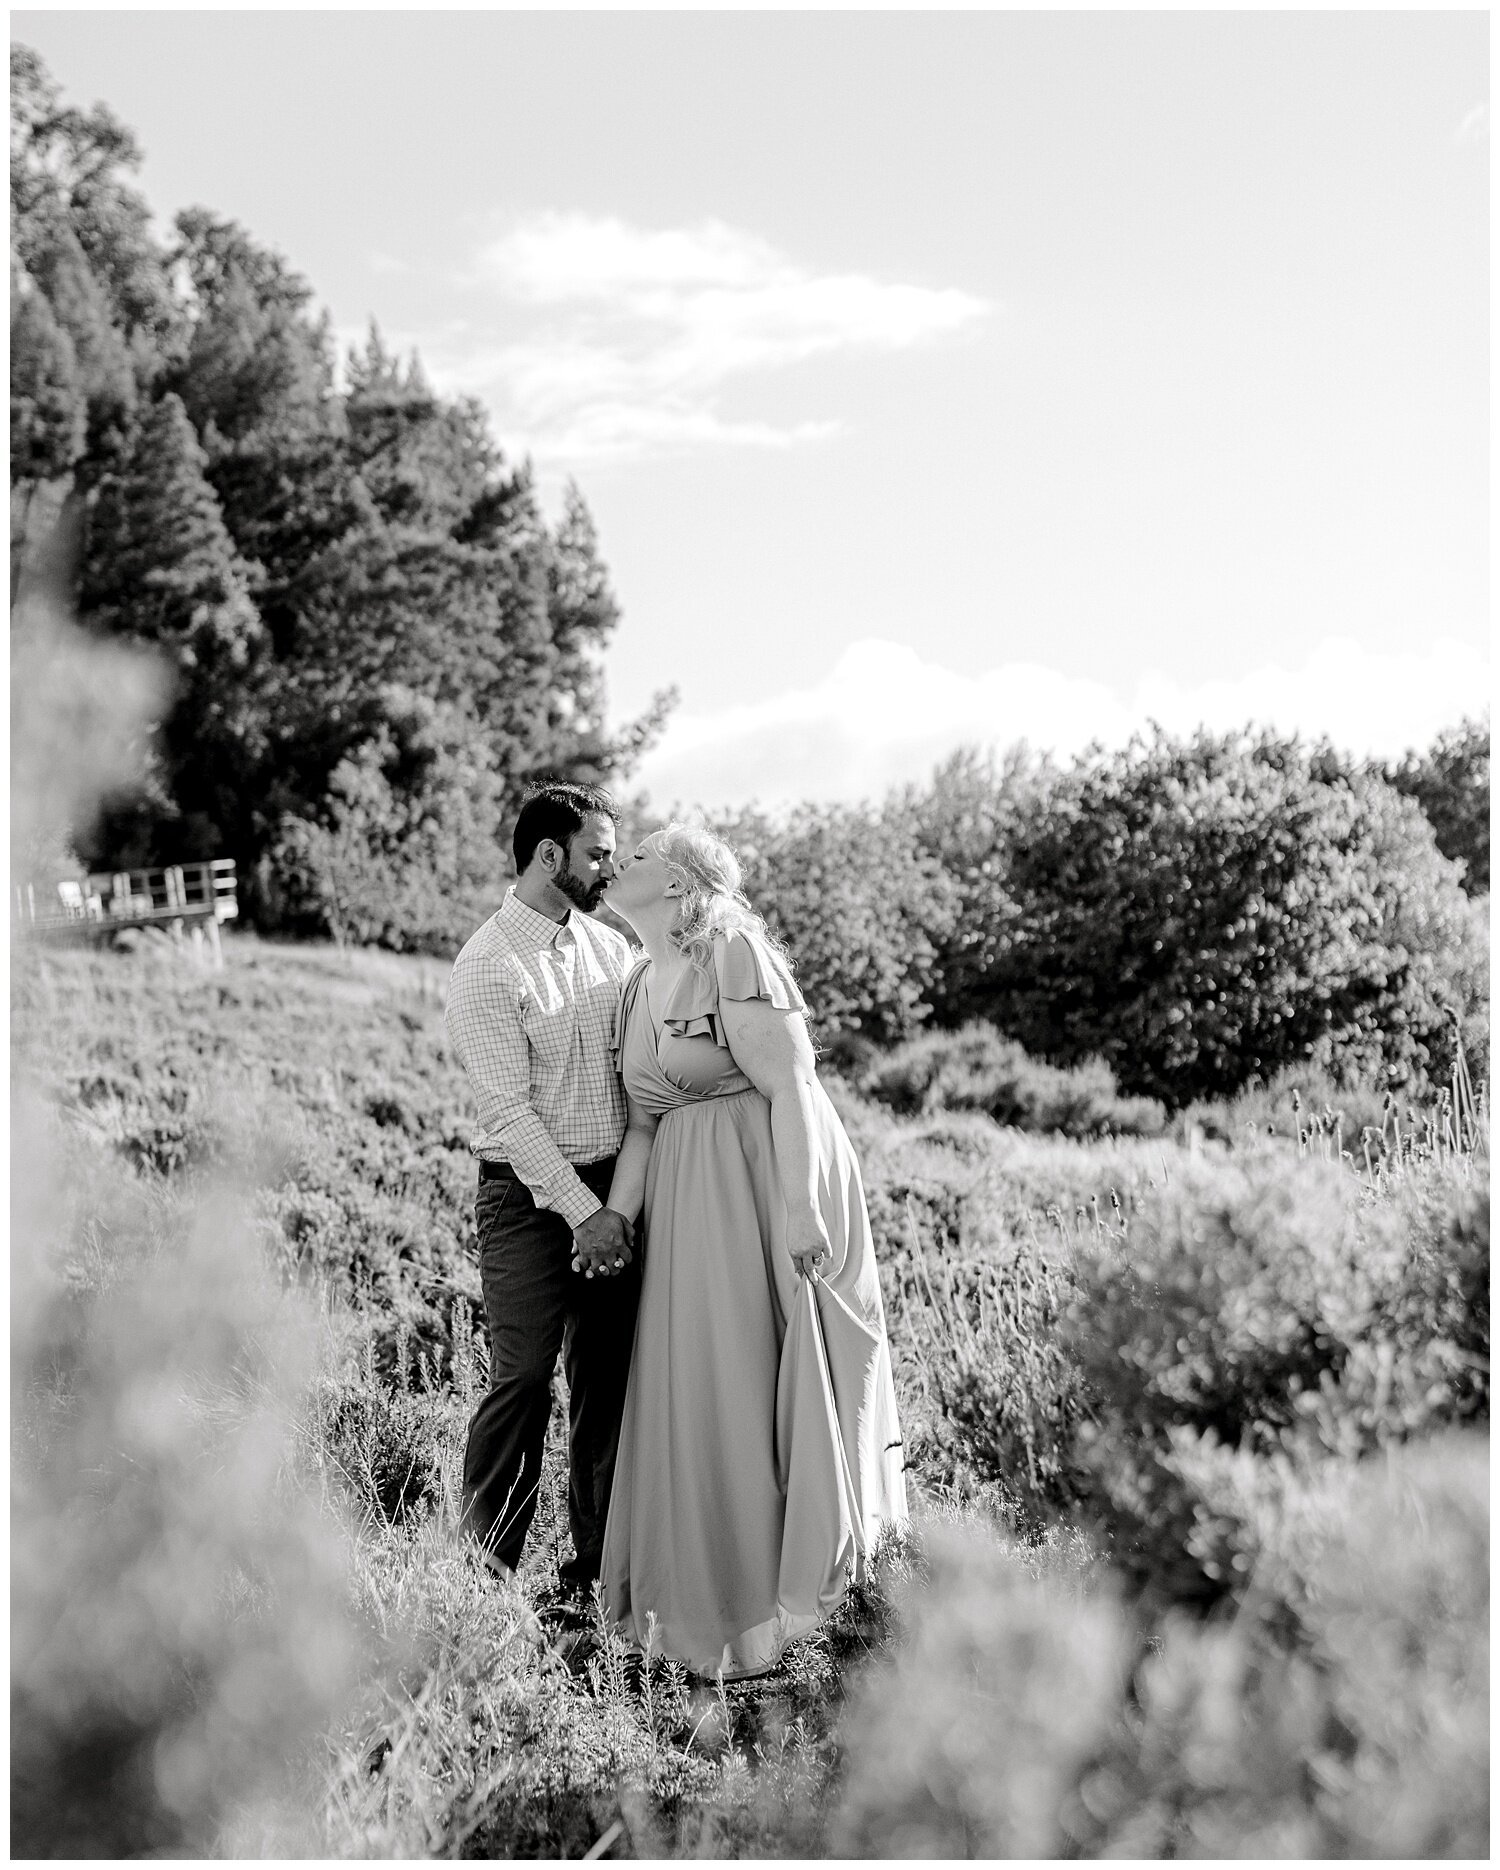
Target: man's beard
577,891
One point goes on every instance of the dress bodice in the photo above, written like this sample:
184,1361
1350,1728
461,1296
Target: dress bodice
687,1059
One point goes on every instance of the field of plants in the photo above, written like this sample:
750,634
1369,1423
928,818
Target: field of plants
1196,1411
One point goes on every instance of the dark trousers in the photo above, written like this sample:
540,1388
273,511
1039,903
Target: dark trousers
534,1305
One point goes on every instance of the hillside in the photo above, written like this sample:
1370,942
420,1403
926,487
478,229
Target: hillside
245,1195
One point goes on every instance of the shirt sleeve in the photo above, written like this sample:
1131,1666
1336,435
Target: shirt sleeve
484,1025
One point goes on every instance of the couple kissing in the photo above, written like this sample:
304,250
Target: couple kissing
667,1195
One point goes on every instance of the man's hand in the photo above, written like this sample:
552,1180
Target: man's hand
601,1244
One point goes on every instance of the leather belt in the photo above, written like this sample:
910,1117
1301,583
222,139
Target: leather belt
503,1172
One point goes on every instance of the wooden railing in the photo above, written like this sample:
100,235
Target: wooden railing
184,897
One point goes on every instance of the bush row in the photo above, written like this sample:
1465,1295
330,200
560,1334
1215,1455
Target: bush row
1195,913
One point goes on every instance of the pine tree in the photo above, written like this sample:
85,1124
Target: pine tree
47,417
160,568
354,590
105,376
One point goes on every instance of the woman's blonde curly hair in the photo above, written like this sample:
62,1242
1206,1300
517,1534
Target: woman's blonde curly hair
712,901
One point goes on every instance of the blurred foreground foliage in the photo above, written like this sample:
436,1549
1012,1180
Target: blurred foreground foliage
178,1596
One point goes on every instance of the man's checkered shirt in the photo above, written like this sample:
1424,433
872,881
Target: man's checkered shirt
532,1006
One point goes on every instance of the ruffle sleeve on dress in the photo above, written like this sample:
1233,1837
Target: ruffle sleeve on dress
746,967
749,968
629,987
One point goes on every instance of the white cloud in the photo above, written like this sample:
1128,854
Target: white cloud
628,337
882,715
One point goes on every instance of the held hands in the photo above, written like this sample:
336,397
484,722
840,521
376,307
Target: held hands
601,1244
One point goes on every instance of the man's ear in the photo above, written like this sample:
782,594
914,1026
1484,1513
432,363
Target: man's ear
548,850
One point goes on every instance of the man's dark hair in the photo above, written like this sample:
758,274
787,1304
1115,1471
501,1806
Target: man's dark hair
556,810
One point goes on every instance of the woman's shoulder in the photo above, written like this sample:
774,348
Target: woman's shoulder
749,966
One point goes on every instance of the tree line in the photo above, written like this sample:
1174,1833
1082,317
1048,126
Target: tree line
1198,913
373,636
375,639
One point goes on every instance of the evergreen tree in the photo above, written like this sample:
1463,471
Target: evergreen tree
68,163
363,605
83,234
160,569
50,251
256,364
423,462
47,416
583,614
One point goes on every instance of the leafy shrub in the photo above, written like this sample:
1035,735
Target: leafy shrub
966,1742
1426,1363
1363,1737
1256,1304
1200,912
976,1068
1025,1715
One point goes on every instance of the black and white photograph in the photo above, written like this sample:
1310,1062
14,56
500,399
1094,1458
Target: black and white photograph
750,934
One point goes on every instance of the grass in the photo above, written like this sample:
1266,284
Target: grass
245,1359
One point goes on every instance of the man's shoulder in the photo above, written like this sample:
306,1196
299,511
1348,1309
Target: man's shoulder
487,945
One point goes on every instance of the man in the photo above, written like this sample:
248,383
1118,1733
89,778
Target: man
531,1015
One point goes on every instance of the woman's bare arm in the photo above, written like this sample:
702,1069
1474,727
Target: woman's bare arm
772,1048
627,1190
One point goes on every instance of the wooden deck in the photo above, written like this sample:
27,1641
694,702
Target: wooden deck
187,901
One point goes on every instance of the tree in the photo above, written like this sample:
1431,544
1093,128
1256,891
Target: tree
1451,783
859,908
405,850
338,580
102,365
83,235
964,820
160,569
46,407
1197,913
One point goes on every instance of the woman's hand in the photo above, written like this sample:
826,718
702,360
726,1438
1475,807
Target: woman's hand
808,1245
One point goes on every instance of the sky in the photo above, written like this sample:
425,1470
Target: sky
933,378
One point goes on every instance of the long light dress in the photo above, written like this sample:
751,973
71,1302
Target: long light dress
760,1453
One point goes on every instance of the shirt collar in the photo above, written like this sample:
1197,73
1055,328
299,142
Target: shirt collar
531,924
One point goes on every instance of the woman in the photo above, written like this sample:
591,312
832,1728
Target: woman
760,1453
